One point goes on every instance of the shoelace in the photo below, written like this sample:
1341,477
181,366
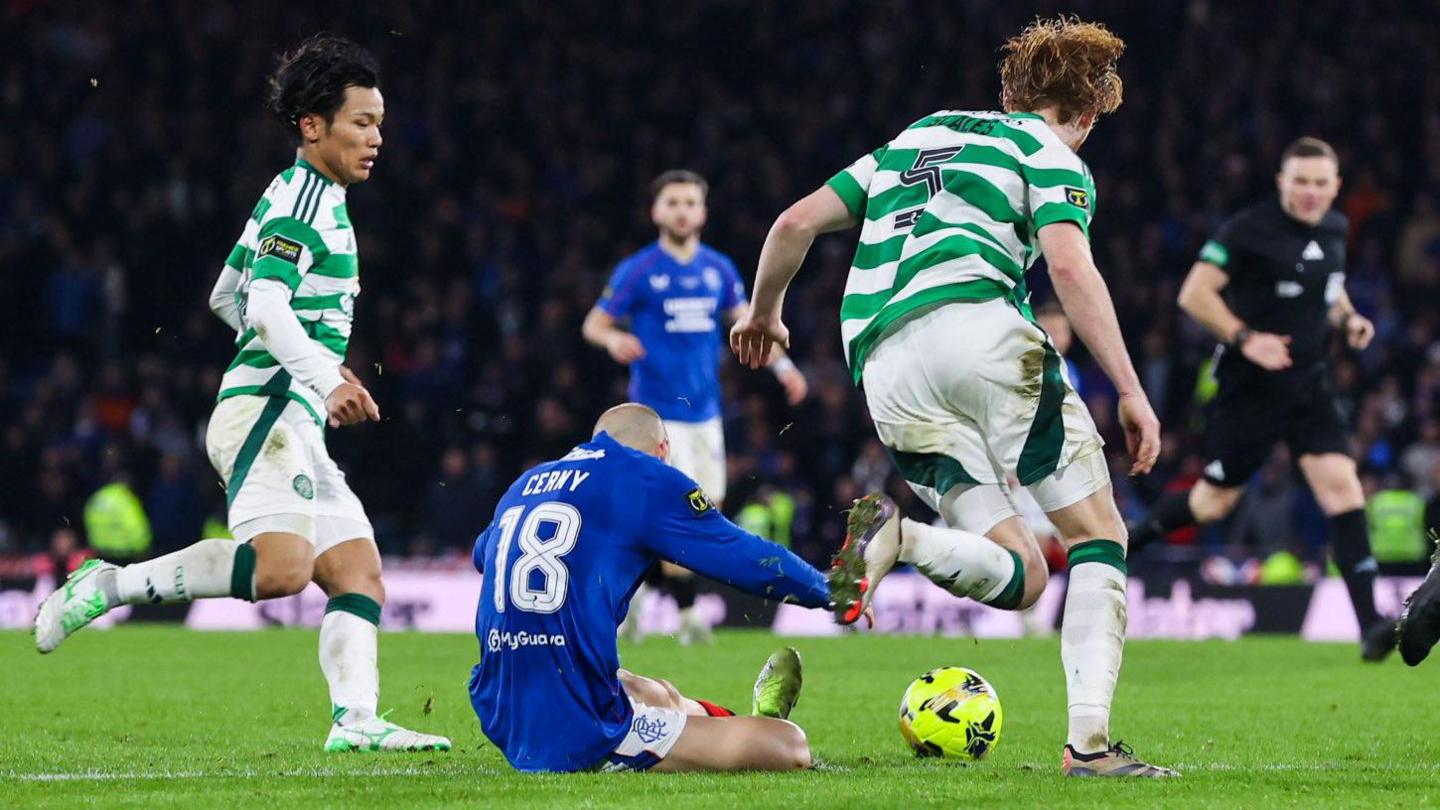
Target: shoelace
1122,749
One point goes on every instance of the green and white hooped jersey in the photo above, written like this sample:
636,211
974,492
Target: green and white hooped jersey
949,212
300,234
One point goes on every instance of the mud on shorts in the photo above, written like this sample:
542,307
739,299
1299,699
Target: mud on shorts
278,476
969,395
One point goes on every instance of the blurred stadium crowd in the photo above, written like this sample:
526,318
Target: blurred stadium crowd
519,143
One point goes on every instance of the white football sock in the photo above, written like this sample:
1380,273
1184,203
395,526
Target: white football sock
962,563
348,652
1092,640
201,571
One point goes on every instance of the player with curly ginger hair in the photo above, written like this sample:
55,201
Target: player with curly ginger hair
288,290
964,387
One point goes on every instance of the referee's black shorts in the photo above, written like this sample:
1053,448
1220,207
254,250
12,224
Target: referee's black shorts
1247,418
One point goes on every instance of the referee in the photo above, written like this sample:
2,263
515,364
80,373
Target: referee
1271,285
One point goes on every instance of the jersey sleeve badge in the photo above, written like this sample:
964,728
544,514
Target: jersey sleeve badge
698,501
280,248
1077,197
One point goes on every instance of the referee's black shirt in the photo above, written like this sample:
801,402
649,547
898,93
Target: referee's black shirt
1284,277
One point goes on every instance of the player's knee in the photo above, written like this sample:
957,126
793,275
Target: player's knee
1037,576
671,695
1339,495
284,564
273,582
1209,504
794,749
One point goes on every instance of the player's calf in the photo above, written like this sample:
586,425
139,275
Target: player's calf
284,564
737,744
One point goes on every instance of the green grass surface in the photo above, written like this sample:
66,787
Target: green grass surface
158,716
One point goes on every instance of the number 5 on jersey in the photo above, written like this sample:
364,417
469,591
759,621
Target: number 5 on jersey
538,555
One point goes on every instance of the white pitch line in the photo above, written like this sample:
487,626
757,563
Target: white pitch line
103,776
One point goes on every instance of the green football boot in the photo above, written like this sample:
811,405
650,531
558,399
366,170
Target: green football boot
777,689
75,604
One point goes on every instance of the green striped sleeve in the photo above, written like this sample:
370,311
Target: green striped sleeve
1058,187
288,248
239,255
1050,213
853,182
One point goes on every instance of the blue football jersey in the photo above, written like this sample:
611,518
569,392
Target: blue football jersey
569,544
677,311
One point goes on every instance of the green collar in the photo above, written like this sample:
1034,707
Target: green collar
308,166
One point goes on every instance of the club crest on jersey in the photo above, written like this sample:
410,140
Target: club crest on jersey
281,248
1078,197
699,502
712,278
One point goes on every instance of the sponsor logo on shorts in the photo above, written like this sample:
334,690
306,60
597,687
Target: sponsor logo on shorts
506,640
304,487
649,731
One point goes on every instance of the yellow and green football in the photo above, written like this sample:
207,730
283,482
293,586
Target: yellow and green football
950,712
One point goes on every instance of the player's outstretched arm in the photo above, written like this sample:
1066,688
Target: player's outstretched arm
1201,298
760,328
685,528
1086,300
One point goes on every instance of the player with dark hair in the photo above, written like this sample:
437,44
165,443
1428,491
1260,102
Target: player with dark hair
674,295
562,558
1270,285
964,387
288,289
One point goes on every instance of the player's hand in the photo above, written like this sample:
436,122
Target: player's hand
1268,351
350,376
1359,331
794,384
1142,432
754,336
350,404
624,347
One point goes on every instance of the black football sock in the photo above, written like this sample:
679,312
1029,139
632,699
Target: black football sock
683,589
1171,512
1350,545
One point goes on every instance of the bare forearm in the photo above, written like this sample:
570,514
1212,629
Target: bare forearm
1341,310
1086,300
598,328
780,259
1207,306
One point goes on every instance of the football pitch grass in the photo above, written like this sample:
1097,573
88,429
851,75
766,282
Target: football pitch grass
159,716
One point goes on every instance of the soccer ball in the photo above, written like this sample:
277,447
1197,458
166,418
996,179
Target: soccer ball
950,712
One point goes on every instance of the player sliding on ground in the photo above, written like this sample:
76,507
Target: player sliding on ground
289,289
570,542
963,386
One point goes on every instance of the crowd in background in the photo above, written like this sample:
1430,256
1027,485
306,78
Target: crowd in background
518,146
